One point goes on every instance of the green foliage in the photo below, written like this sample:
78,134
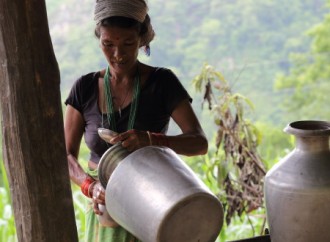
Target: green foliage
7,226
308,78
80,204
234,171
249,40
241,227
274,143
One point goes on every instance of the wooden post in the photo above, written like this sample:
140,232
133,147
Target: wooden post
32,125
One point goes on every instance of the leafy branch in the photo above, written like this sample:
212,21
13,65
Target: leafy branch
237,166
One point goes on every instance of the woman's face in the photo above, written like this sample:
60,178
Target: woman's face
120,47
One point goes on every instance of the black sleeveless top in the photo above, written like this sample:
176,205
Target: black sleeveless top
159,96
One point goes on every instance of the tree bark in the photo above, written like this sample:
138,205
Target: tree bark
32,125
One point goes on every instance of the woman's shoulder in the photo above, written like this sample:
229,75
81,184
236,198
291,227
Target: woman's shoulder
156,74
83,88
148,69
161,71
164,76
88,79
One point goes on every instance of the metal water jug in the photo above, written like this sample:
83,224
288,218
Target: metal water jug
155,196
297,189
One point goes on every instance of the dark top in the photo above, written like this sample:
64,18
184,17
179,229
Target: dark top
159,96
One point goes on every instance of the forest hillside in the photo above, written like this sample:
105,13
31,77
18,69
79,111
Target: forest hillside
248,41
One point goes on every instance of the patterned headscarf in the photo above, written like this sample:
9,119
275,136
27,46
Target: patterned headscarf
135,9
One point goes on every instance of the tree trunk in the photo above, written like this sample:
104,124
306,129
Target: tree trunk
32,125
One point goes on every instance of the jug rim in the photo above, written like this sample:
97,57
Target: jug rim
109,161
308,128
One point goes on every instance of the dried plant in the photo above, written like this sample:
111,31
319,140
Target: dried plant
237,167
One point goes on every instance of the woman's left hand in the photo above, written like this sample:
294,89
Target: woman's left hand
132,139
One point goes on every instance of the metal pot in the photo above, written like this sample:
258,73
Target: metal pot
154,195
297,189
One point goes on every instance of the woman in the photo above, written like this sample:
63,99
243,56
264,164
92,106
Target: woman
129,97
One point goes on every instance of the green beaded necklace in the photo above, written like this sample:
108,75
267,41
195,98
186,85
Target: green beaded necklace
109,103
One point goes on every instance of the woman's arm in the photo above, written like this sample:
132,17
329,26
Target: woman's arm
73,131
192,141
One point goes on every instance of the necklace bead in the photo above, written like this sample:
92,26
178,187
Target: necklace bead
109,102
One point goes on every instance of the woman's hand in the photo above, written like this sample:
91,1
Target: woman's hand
99,208
98,196
132,139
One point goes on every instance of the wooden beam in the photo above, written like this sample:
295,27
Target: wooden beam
32,125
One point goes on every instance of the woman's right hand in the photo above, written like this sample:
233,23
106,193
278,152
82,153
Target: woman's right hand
98,197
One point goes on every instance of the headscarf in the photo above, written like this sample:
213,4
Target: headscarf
135,9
